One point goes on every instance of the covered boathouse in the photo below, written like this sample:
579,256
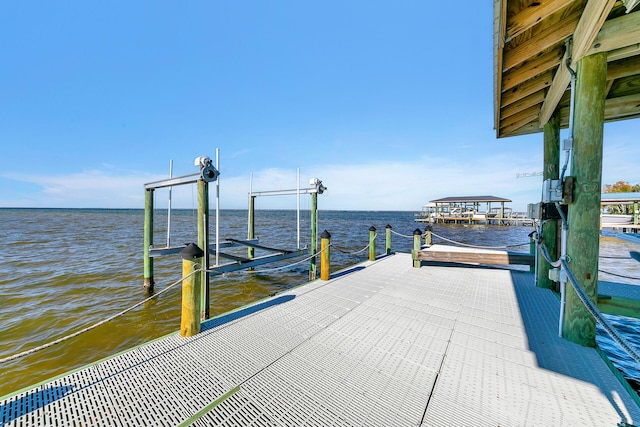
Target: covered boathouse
571,64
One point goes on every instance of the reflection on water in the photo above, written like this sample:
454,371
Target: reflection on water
62,270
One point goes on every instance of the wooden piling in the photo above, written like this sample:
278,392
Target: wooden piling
191,290
417,236
148,240
584,213
550,171
372,243
251,230
428,238
325,256
203,242
313,249
388,240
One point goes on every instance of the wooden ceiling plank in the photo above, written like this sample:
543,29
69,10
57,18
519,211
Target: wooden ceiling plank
625,68
522,104
521,118
625,52
616,34
507,129
622,106
593,16
530,69
533,14
547,38
527,88
499,29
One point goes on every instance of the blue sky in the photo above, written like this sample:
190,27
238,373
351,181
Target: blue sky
388,103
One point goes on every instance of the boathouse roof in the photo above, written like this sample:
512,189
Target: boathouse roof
470,199
529,49
619,198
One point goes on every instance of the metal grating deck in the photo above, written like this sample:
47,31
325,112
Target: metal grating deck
386,345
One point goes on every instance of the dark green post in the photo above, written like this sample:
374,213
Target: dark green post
251,232
325,256
372,243
584,213
191,290
148,240
313,249
388,240
550,171
203,242
417,235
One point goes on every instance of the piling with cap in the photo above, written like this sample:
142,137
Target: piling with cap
428,238
191,290
372,243
325,256
417,235
388,240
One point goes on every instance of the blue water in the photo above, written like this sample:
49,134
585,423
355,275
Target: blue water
64,269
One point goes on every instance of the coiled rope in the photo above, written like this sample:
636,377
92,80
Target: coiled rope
95,325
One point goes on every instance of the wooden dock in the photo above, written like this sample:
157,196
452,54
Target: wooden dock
383,344
457,254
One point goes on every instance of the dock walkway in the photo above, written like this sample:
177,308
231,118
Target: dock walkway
384,344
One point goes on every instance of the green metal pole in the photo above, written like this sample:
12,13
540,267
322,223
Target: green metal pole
203,242
417,235
372,243
584,213
148,240
251,231
550,171
313,249
388,240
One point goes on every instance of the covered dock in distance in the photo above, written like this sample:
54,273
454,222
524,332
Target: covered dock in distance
472,209
568,64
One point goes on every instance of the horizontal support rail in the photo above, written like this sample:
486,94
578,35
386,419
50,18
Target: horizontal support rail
170,182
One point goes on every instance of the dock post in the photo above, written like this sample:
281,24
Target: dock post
417,235
532,251
372,243
388,239
148,240
550,171
428,238
191,290
251,229
584,212
325,256
313,249
203,242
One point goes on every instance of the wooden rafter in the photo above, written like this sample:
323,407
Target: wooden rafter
533,14
593,17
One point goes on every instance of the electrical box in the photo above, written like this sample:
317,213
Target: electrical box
550,211
534,210
554,274
551,191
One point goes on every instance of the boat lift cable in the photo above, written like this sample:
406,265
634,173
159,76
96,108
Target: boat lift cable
95,325
597,315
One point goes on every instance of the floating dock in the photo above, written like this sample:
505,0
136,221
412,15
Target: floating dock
381,344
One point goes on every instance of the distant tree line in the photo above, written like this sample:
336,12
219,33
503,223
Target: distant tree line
621,187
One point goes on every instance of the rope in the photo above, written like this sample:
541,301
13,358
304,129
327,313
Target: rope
403,235
357,252
95,325
593,310
473,246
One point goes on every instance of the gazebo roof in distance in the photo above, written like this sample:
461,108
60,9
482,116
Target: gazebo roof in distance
470,199
619,198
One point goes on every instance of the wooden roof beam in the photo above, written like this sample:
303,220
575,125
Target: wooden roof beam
547,38
519,119
530,69
622,106
617,33
527,88
591,21
522,104
533,14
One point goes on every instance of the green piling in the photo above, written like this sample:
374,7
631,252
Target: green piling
388,239
313,249
584,212
203,242
148,240
372,243
251,230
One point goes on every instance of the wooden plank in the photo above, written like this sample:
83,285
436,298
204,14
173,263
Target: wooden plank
533,14
616,34
443,253
531,68
547,38
536,84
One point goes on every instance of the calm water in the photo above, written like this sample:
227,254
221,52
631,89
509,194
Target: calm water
62,270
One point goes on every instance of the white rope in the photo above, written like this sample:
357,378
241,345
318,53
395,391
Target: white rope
357,252
95,325
470,246
402,235
265,270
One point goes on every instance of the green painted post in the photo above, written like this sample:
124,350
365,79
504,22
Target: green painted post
372,243
203,242
584,213
191,290
148,240
550,171
313,249
388,240
635,214
417,236
251,232
325,256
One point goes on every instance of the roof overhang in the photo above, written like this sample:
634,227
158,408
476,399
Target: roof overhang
530,53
